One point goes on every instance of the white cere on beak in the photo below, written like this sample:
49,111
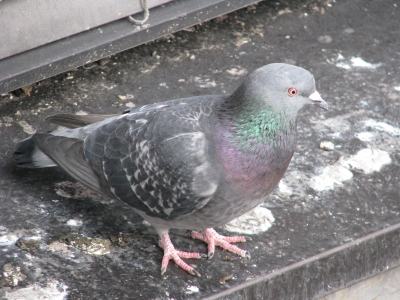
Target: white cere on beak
315,97
318,101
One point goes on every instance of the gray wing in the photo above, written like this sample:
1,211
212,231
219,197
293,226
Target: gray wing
157,161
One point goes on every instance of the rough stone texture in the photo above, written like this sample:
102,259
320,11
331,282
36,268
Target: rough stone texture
311,250
384,286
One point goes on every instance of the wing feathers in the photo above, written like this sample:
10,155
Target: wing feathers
75,121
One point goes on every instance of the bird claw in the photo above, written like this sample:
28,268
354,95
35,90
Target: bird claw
163,269
195,273
212,238
171,253
186,267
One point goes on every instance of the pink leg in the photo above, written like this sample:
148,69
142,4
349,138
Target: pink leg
212,238
171,253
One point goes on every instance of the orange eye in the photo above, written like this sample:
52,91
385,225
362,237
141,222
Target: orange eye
292,92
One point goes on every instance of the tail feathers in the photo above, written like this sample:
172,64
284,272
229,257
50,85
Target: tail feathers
68,153
28,155
64,152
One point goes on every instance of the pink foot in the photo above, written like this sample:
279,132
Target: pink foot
212,238
171,253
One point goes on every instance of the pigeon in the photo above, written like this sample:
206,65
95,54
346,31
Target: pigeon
192,163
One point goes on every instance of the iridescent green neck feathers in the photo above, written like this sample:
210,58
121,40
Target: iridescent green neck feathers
265,126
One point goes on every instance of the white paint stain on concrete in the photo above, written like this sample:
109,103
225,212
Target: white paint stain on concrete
74,223
192,289
382,126
365,136
358,62
130,104
284,188
237,71
327,146
204,82
377,134
53,291
258,220
81,113
330,177
365,161
8,239
352,63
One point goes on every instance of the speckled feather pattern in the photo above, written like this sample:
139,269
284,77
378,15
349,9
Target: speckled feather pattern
155,160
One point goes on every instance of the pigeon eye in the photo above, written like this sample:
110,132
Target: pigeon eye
292,92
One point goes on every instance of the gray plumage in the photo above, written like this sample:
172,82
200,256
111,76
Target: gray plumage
188,163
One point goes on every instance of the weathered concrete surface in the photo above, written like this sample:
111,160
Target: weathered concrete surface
327,199
384,286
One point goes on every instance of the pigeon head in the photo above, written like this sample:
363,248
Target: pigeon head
279,87
264,108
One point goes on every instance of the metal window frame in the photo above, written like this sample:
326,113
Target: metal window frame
68,53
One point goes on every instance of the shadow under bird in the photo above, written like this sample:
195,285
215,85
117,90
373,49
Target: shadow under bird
192,163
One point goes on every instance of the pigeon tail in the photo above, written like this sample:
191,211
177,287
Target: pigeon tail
68,154
28,155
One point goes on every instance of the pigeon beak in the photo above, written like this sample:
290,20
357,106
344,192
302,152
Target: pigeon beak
317,100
